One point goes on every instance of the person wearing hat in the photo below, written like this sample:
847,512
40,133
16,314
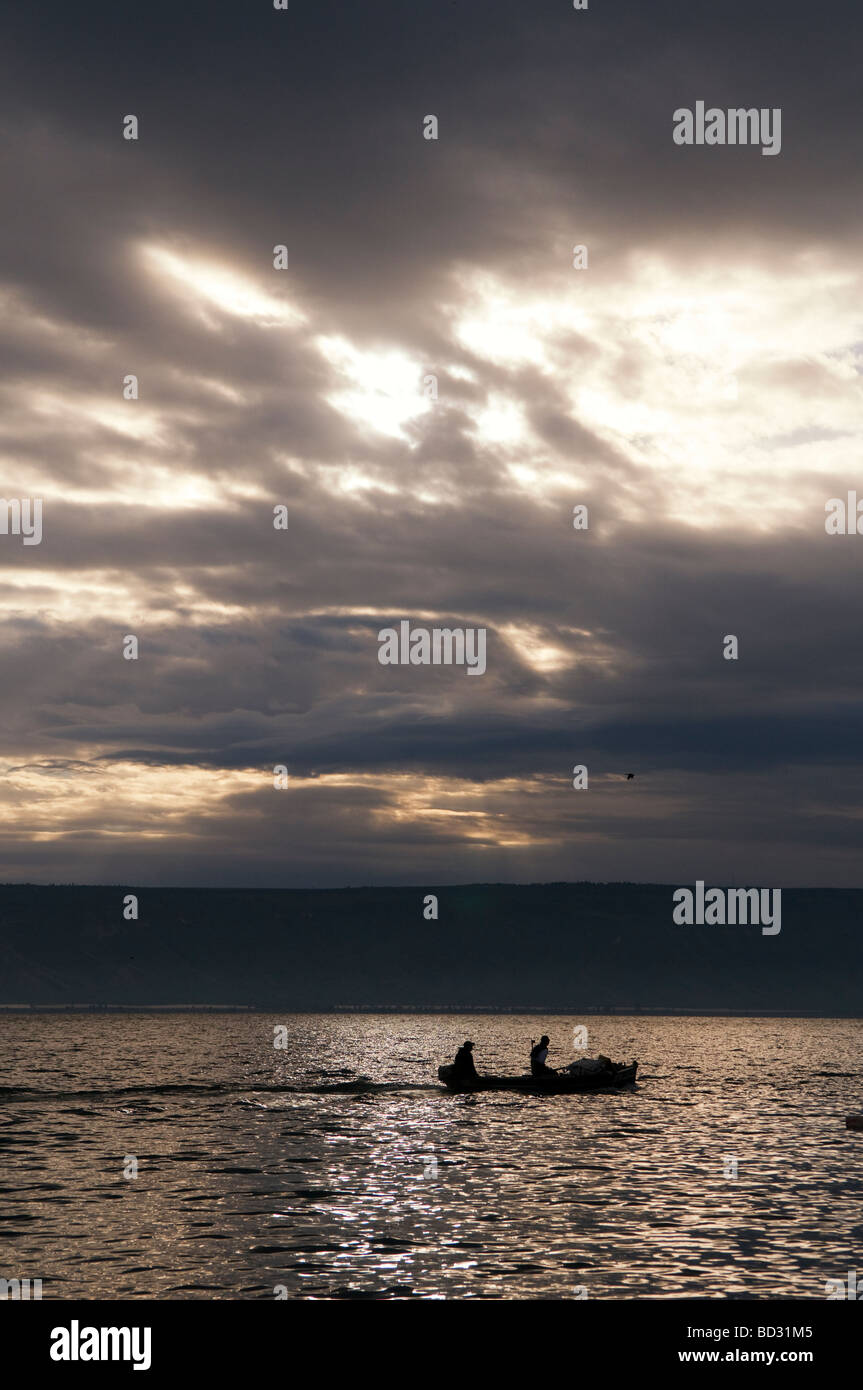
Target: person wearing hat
538,1055
463,1067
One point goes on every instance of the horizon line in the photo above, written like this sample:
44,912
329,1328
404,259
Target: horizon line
426,886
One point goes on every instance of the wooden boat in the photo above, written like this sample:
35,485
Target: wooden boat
564,1083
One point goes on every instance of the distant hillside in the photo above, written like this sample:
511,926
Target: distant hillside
565,946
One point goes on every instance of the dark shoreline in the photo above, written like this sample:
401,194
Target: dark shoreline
551,1011
514,949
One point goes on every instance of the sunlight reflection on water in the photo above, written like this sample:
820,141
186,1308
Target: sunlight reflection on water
409,1191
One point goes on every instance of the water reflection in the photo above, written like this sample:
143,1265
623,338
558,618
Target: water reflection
410,1192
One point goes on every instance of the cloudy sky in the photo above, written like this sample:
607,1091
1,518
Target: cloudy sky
698,387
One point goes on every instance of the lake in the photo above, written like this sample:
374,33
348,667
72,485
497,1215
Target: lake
337,1167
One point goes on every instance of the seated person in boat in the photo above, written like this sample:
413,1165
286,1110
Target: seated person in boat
463,1066
538,1055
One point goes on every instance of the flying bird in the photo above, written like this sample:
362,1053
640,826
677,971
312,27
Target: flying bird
630,776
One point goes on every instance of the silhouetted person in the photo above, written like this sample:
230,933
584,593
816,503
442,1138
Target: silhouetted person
463,1068
538,1055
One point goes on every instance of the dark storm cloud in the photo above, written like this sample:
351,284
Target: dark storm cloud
259,126
260,647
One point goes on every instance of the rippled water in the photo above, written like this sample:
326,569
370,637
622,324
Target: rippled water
261,1167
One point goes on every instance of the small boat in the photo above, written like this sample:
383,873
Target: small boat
562,1084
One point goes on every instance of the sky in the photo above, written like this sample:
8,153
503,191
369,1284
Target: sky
696,386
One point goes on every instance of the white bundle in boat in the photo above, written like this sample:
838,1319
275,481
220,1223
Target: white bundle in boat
586,1066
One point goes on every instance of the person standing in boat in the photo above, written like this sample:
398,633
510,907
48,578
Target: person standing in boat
463,1068
538,1056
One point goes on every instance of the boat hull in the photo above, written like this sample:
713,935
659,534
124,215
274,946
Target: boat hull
564,1084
